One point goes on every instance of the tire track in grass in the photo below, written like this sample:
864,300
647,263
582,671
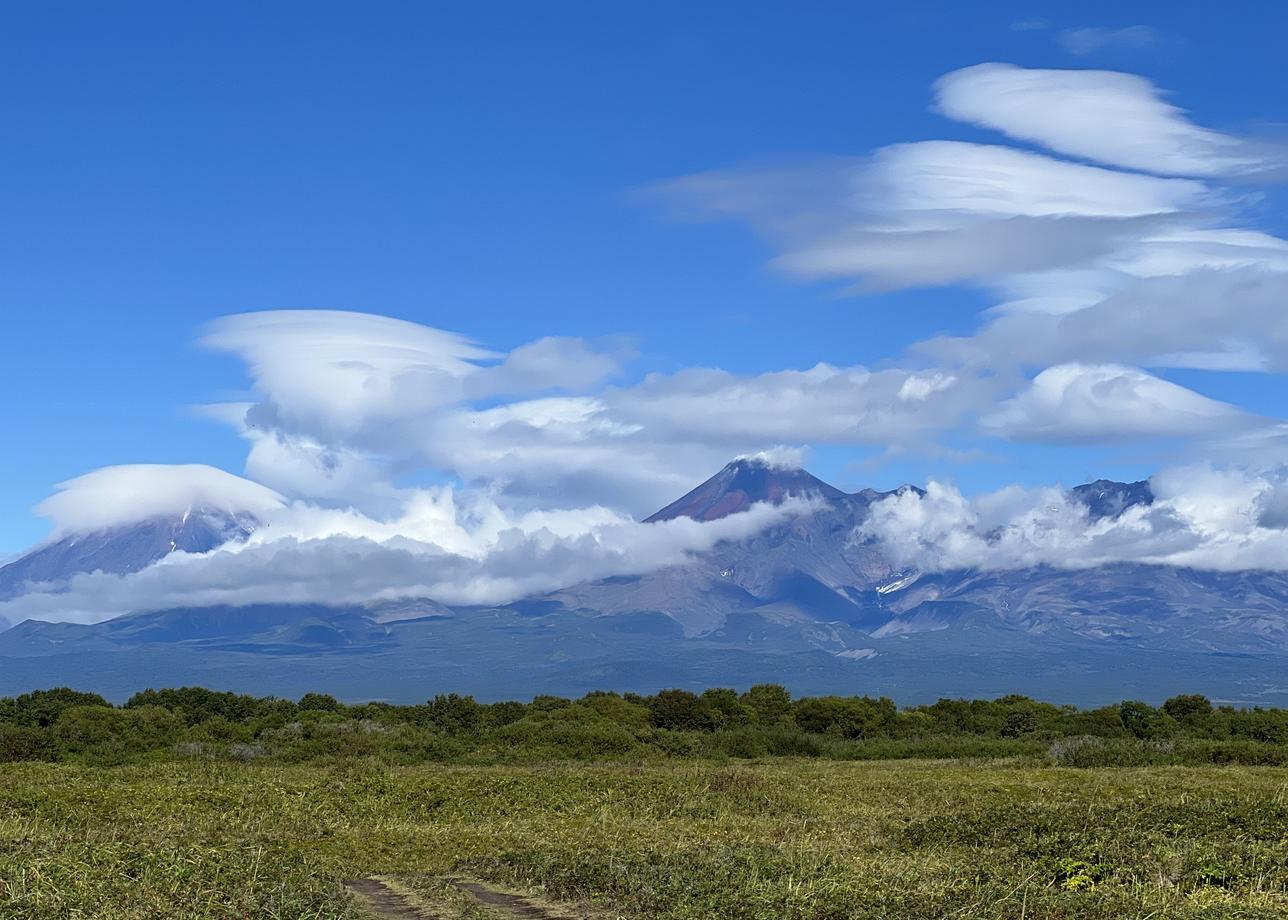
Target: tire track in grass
386,903
389,904
511,904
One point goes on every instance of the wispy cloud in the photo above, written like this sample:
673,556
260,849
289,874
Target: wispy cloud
1030,25
1089,39
1141,261
1118,119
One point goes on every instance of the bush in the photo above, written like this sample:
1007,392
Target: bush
727,708
24,742
455,714
1140,719
43,707
322,702
1019,722
680,710
847,716
789,741
717,724
741,742
770,704
1265,725
1090,751
1193,711
1236,751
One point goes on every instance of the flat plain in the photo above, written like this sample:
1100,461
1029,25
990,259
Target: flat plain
773,838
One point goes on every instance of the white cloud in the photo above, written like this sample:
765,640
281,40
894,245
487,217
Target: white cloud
1091,265
952,176
920,387
633,447
1202,518
1214,318
455,549
1103,401
548,363
780,457
1110,117
333,372
116,495
939,212
1089,39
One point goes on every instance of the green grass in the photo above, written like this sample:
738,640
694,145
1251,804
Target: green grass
774,839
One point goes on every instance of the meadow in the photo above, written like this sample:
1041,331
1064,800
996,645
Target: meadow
1011,824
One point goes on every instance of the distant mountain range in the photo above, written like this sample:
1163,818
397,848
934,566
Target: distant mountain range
802,602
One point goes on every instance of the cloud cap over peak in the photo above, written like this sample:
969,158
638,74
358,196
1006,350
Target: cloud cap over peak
117,495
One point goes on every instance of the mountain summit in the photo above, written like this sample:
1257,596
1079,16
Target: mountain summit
126,548
743,483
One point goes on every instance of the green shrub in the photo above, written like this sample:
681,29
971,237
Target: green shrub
740,742
1242,751
1090,751
770,704
319,701
846,716
25,742
680,710
43,707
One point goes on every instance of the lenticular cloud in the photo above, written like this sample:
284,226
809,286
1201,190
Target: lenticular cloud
116,495
1115,118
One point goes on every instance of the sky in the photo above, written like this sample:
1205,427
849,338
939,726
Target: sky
550,266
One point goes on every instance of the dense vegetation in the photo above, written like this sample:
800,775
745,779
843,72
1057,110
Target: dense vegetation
70,726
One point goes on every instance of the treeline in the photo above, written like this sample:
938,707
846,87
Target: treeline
68,725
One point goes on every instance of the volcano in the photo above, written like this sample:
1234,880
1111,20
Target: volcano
125,549
743,483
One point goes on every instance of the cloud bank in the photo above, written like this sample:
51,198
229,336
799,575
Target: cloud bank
454,549
1202,518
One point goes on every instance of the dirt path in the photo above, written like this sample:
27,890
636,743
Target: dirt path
384,902
511,904
389,904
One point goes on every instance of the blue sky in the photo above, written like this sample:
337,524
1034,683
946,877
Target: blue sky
492,171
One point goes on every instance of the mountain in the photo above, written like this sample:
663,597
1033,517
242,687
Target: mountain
743,483
1106,498
124,549
803,602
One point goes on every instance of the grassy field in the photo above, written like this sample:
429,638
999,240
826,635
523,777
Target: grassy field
773,839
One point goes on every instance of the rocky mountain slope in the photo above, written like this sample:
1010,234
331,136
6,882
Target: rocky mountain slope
125,549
